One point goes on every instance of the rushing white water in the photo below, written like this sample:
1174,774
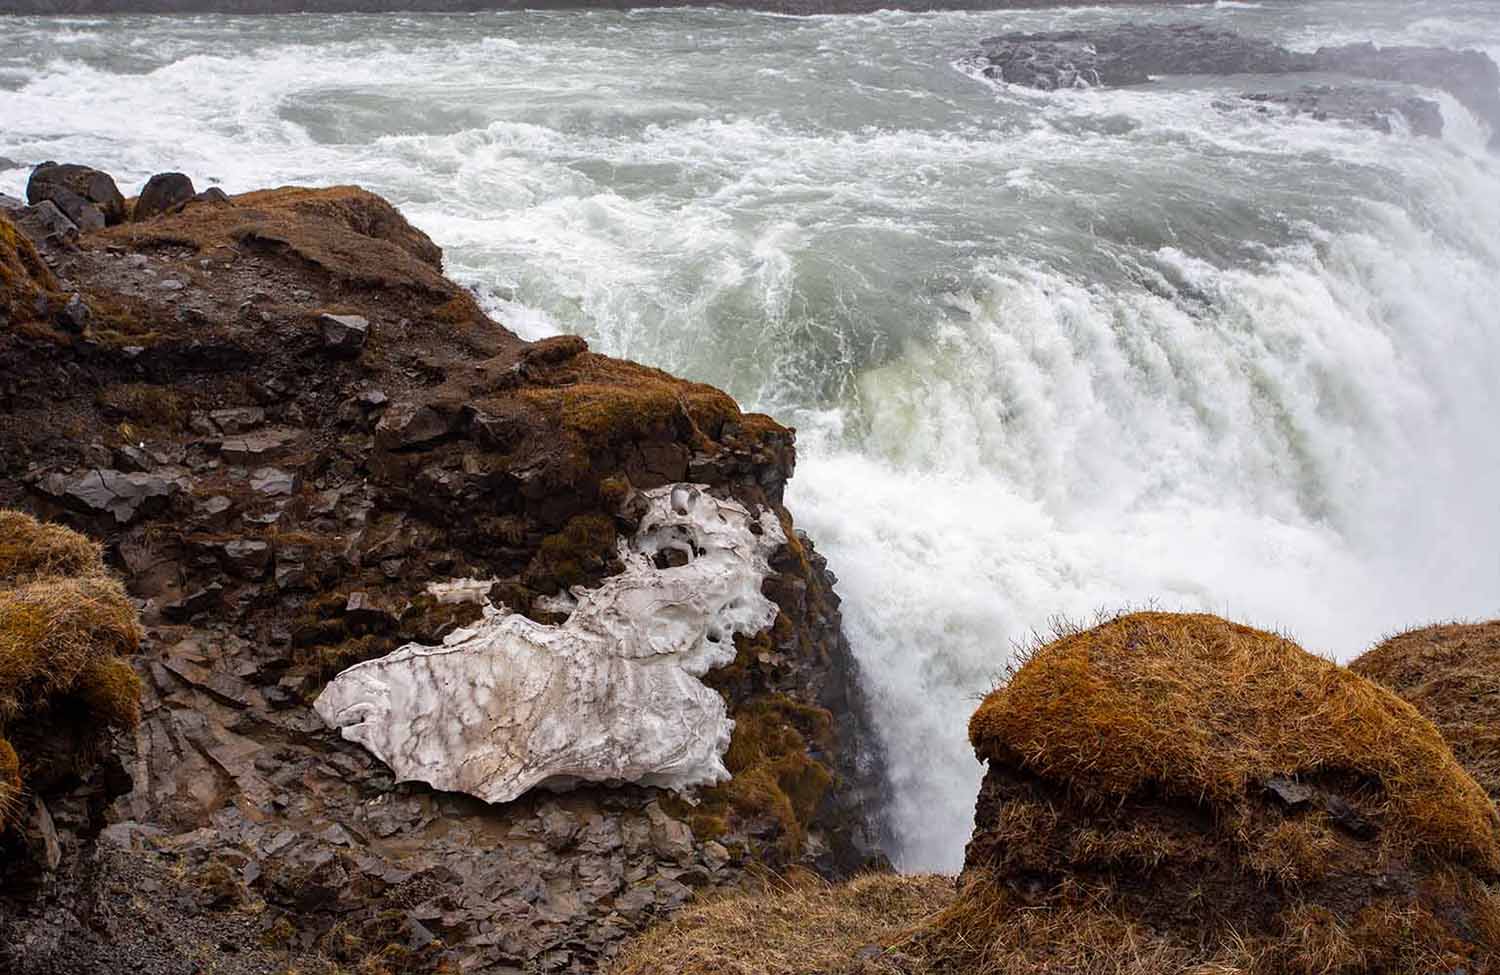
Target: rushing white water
1047,353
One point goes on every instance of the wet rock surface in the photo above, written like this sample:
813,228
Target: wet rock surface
1135,54
280,513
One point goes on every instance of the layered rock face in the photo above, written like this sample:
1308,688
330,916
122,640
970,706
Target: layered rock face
306,449
1134,54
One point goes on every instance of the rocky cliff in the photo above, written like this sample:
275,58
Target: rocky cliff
303,447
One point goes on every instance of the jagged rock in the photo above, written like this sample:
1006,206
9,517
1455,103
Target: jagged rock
273,482
75,314
162,193
255,447
195,603
344,335
241,419
125,496
48,223
247,558
1131,54
406,425
610,695
89,197
131,459
1370,107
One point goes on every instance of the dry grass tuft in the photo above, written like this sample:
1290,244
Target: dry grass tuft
1450,673
30,550
27,287
607,402
64,627
791,928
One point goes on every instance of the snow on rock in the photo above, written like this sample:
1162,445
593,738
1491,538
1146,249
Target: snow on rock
610,695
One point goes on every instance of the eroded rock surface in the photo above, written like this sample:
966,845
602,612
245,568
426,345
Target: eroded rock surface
314,501
1133,54
612,694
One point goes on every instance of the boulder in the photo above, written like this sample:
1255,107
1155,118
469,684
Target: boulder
344,335
162,193
1212,796
407,424
124,496
89,197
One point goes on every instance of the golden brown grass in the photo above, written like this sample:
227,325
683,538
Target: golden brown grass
797,927
607,401
1203,709
24,278
64,626
1450,673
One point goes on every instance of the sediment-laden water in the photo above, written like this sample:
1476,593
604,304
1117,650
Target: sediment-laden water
1047,353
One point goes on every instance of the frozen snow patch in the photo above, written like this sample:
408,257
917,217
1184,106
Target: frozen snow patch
611,695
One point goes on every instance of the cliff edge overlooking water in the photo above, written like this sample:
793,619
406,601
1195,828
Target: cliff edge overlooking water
302,447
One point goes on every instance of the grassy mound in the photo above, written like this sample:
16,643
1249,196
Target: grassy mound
1450,673
65,624
1194,792
27,287
1165,794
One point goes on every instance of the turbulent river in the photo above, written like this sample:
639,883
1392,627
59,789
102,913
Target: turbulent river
1047,353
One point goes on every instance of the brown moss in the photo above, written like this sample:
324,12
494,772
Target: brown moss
582,552
774,776
606,401
349,233
1450,673
52,630
64,624
10,784
1173,793
143,403
1204,709
30,549
28,290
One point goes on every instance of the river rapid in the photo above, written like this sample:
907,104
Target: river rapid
1047,353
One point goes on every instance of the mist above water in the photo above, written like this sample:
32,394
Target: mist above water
1047,353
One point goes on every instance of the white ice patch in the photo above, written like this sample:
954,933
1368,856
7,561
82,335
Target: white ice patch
611,695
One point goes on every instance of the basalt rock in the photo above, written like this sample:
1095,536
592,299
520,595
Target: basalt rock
1132,54
89,197
327,510
162,193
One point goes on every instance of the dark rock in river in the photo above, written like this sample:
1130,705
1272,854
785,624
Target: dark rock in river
1129,55
1370,107
1134,54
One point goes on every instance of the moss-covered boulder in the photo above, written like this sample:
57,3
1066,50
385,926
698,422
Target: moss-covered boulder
1183,791
1450,673
65,627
